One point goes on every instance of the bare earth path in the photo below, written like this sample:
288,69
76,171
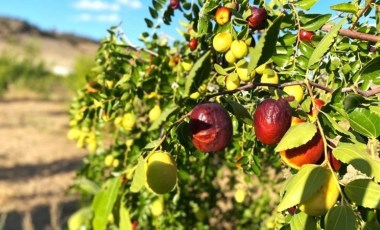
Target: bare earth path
37,164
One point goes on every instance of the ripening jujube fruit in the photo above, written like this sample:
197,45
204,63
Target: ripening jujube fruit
210,127
324,199
257,18
222,15
272,118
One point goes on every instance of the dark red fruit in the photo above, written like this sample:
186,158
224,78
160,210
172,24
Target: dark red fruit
271,120
210,127
335,163
305,35
174,4
193,43
257,18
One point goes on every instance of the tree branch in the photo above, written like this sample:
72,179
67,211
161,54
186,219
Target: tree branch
252,85
362,13
353,34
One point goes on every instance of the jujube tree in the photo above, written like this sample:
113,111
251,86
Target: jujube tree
264,115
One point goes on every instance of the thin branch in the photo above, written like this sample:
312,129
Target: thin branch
252,85
362,13
354,34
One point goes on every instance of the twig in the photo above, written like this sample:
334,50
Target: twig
354,34
361,14
252,85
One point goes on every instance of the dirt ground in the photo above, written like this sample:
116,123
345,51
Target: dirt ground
37,164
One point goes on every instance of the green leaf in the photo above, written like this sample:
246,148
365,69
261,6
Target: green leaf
345,7
104,201
370,72
153,12
149,23
303,185
340,218
365,122
199,72
219,69
357,156
335,125
163,117
352,101
306,4
316,22
203,25
325,43
266,46
183,135
87,185
139,176
79,218
125,220
302,221
364,192
296,136
239,111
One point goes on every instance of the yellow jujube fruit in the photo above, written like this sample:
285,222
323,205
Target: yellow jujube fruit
161,172
128,121
108,160
296,91
154,113
232,81
324,199
157,207
222,42
239,195
269,76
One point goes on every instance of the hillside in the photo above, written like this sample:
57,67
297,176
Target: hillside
57,50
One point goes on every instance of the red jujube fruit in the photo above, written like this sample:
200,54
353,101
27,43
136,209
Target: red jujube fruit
271,120
210,127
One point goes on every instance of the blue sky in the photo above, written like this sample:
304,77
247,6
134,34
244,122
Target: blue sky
92,18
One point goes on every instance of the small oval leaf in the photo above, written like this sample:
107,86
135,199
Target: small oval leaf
364,192
139,179
296,136
302,221
303,185
340,218
365,122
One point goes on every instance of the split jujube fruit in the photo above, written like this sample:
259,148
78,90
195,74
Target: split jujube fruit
272,119
309,153
210,127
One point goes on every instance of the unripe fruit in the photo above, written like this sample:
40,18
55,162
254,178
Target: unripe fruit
157,207
230,58
186,65
239,195
242,72
108,160
128,121
232,81
296,91
271,120
154,113
195,95
314,110
161,172
174,4
309,153
239,49
260,69
257,18
210,127
324,199
193,43
222,42
222,15
269,76
305,35
115,163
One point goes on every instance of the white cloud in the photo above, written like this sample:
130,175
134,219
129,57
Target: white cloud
96,5
134,4
99,18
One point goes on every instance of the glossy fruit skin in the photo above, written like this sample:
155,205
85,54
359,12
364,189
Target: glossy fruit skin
193,44
309,153
324,199
271,120
174,4
305,36
161,172
222,42
232,81
239,49
230,58
222,15
210,127
296,91
257,18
